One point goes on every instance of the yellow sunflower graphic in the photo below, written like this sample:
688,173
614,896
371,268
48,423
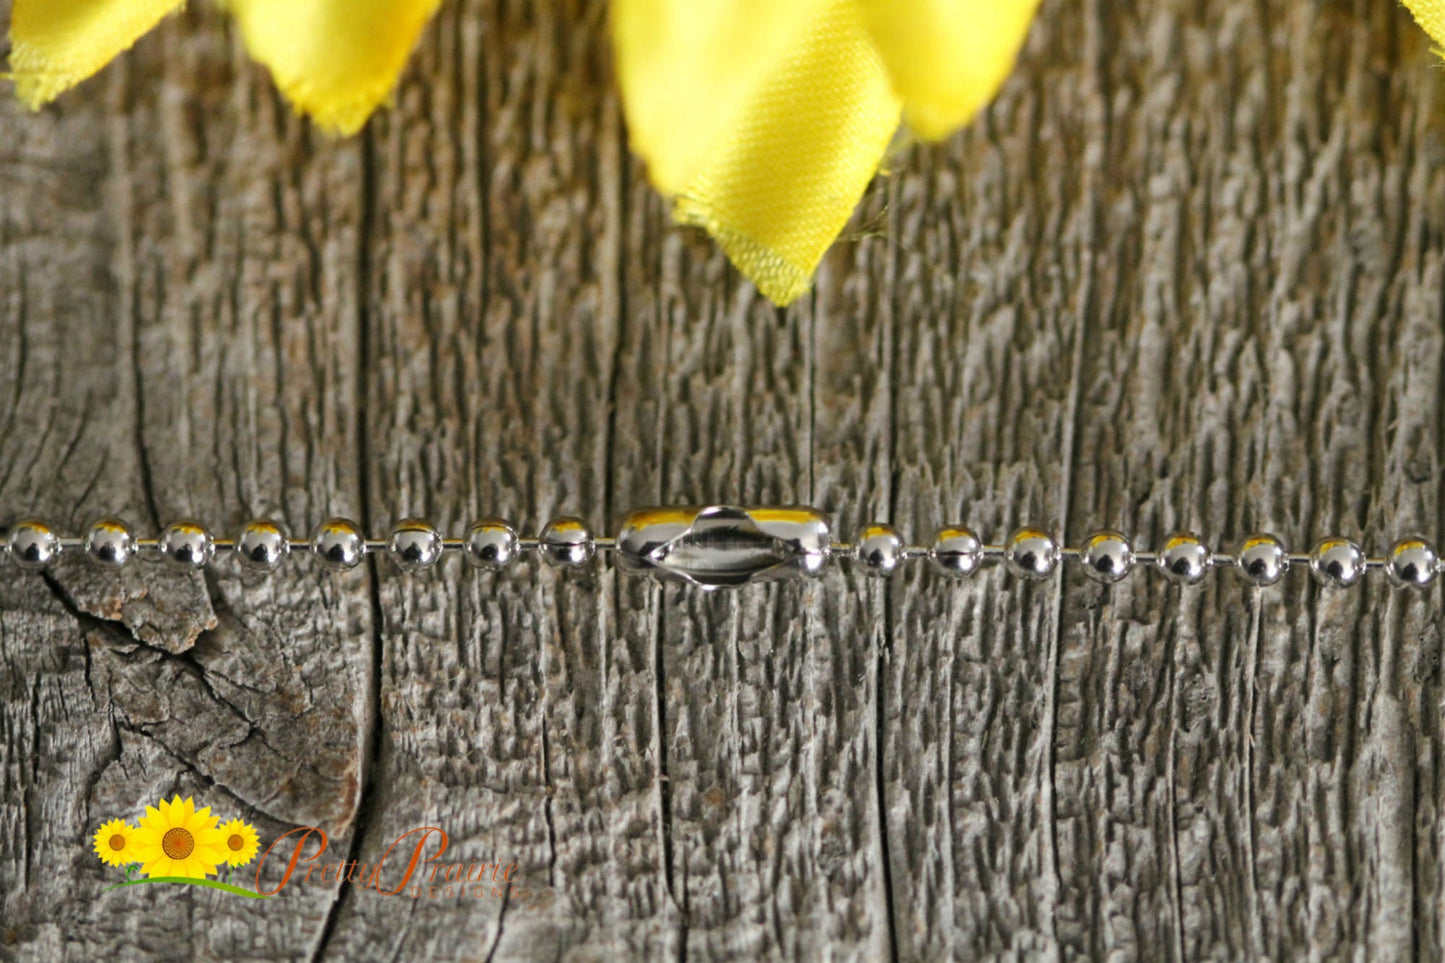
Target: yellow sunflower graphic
239,842
177,839
115,843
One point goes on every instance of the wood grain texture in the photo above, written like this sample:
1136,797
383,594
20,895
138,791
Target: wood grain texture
1187,272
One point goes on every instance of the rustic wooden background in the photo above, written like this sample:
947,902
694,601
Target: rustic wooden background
1188,271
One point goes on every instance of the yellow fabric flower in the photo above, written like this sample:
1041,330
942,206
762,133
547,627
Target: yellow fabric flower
1430,14
239,842
766,119
115,843
177,839
56,45
335,59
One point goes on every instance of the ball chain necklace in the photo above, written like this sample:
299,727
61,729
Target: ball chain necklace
723,546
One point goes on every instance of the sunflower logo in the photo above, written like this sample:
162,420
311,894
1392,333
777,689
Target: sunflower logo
174,842
239,842
177,839
115,843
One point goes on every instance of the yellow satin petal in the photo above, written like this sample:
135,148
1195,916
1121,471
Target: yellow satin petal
1430,14
688,68
336,60
947,58
779,187
55,44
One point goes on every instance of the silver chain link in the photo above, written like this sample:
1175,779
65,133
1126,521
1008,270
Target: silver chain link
724,546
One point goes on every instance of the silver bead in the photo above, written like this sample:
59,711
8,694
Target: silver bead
1412,563
956,552
491,544
566,543
33,544
1337,561
1262,559
879,549
414,544
263,545
1031,553
109,541
1106,556
186,543
339,544
1184,558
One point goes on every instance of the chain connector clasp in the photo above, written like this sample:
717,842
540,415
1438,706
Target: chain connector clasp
724,545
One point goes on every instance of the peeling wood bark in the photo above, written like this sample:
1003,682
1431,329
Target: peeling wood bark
1186,272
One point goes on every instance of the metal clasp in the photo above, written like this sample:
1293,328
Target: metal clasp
723,545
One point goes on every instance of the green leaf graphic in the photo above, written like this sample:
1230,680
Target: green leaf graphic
190,881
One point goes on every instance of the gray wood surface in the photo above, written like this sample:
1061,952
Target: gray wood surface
1186,272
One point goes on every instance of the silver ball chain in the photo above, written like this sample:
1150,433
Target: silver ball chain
724,546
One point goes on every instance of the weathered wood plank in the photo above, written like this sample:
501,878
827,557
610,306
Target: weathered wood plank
517,710
181,315
1186,272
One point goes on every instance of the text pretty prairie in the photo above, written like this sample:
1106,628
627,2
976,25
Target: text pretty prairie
407,862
